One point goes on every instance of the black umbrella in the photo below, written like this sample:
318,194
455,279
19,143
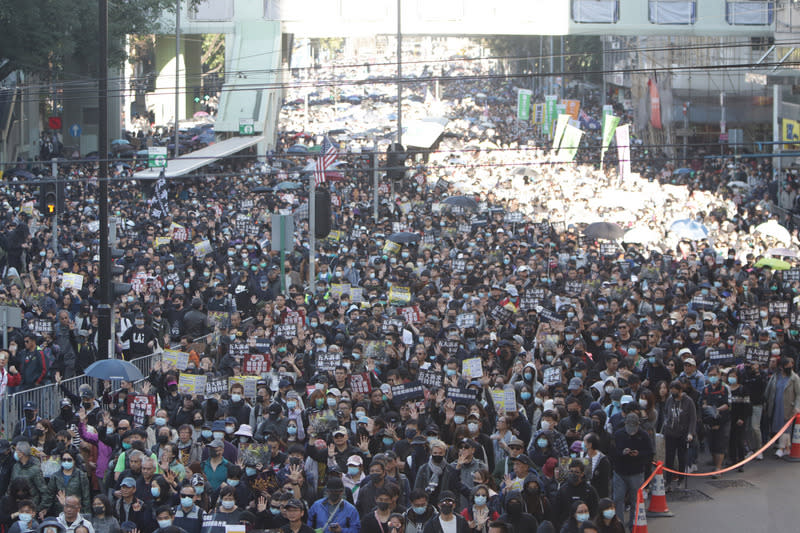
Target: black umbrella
464,202
404,237
604,230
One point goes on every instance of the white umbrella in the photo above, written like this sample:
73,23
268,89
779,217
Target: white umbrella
641,235
739,184
772,229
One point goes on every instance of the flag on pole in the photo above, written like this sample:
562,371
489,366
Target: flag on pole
160,201
327,157
610,123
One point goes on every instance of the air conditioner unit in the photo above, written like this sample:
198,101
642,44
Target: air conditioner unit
615,44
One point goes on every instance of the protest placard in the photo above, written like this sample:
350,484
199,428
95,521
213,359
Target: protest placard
71,281
40,326
216,385
432,379
259,344
501,314
178,232
552,375
411,314
716,356
532,298
248,382
192,384
779,308
391,248
287,331
399,295
218,318
466,320
573,287
472,368
791,275
499,400
391,324
450,347
256,364
298,318
408,391
161,241
461,395
255,452
510,404
328,361
458,265
756,354
375,350
202,248
339,289
175,358
360,383
141,407
237,349
749,314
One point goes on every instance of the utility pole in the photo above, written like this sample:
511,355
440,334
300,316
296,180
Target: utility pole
54,173
177,69
399,78
104,340
312,228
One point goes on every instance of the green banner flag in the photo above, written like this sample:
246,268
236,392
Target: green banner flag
561,124
524,104
550,102
609,127
569,143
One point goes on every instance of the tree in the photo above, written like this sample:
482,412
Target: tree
46,36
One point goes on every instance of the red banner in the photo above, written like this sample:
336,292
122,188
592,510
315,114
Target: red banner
655,104
255,364
141,407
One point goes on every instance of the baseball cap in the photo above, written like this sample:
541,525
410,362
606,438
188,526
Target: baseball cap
29,406
684,351
355,460
575,384
128,482
294,503
341,430
447,495
216,443
522,458
690,361
632,423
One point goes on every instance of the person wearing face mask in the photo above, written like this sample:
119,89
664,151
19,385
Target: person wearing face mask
578,516
516,514
334,514
478,514
215,467
103,519
25,518
436,476
275,422
741,411
783,402
716,409
606,518
575,425
71,481
377,519
188,516
420,511
679,427
447,521
227,512
632,453
219,432
142,338
238,407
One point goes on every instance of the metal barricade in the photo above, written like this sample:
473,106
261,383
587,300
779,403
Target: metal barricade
48,397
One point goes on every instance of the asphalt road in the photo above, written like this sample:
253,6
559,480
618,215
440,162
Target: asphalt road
764,498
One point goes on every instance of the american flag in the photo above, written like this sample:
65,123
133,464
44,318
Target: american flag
327,157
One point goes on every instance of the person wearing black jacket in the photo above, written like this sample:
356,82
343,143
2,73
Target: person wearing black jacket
679,427
600,465
517,515
447,503
754,380
576,488
633,451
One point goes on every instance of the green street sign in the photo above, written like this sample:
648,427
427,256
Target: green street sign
246,126
157,157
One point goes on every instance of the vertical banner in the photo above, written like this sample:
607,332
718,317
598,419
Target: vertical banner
790,131
538,113
623,139
569,143
655,104
573,108
608,109
550,101
610,123
524,104
561,124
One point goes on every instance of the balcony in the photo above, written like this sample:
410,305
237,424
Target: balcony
673,12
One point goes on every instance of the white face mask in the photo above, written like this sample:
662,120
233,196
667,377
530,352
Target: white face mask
545,425
643,403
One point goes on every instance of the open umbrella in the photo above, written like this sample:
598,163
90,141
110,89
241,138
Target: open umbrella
738,184
604,230
404,237
199,114
22,174
297,149
689,229
114,369
464,202
771,228
641,235
680,171
773,263
287,185
782,252
120,141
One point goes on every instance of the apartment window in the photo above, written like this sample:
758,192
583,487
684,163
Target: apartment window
595,11
750,12
673,11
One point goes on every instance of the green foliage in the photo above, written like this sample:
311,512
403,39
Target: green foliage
47,35
582,53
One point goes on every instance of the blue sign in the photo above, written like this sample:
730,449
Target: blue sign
75,130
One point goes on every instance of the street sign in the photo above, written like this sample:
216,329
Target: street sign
246,126
157,157
54,123
75,130
10,317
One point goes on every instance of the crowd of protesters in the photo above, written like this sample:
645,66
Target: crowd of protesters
592,355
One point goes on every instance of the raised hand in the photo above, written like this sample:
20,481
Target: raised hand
262,504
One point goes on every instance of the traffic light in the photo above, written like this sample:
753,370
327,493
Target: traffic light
322,213
51,198
396,162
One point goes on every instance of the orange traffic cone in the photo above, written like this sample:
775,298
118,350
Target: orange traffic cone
640,524
795,452
658,494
